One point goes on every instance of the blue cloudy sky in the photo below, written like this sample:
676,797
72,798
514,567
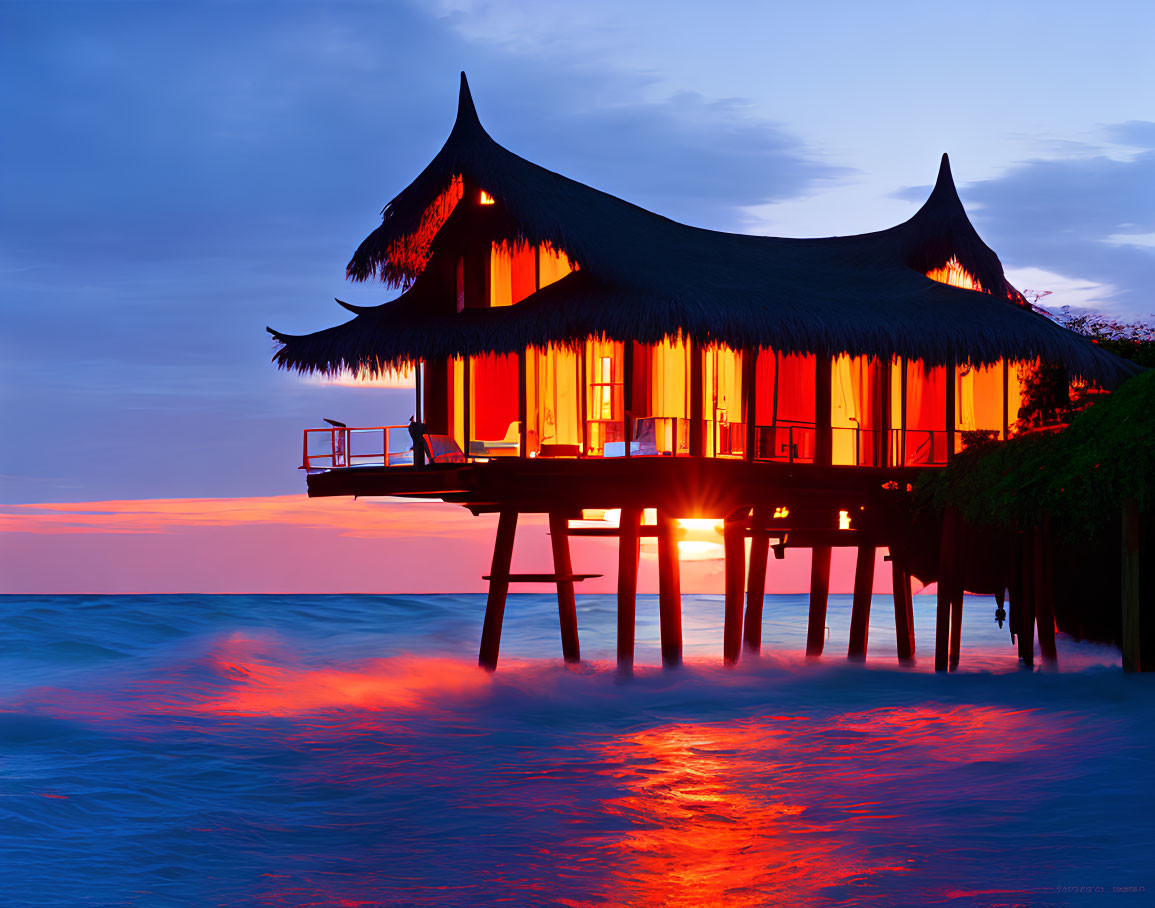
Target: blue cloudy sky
178,175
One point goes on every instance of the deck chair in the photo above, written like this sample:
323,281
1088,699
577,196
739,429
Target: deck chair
508,446
443,449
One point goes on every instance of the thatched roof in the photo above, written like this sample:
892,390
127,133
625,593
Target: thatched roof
644,277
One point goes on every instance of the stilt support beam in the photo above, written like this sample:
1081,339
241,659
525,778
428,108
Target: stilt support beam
669,591
903,610
566,603
498,589
1044,592
860,609
946,573
1026,611
756,582
1135,659
628,549
734,547
819,593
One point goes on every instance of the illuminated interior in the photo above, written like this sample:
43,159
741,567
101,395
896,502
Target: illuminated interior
605,398
494,430
725,427
661,398
956,275
512,273
979,400
576,397
855,404
925,435
784,406
553,403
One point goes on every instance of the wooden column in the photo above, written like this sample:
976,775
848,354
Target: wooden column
860,609
1131,643
566,603
734,545
819,592
1006,401
466,403
903,611
956,612
1027,611
629,544
697,393
951,405
522,396
1044,593
438,390
946,572
498,589
756,581
750,399
627,393
669,591
823,437
1015,589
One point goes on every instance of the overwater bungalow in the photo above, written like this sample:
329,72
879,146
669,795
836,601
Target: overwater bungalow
574,351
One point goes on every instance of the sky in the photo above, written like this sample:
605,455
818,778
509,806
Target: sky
176,176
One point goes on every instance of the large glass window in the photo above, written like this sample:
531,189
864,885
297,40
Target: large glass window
725,429
661,398
605,407
494,430
979,397
855,404
925,439
553,403
784,405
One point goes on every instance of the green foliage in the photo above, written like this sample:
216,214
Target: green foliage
1079,476
1130,340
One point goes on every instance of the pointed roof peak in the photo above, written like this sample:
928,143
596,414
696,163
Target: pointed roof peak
466,112
944,175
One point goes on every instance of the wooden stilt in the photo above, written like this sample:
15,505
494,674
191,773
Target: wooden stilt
956,611
498,588
819,592
946,572
1027,612
1015,590
566,603
1044,599
860,609
669,591
628,549
756,582
1132,642
903,611
734,544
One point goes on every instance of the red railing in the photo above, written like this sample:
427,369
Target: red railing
345,446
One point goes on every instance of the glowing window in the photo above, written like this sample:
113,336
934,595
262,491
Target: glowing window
956,275
486,198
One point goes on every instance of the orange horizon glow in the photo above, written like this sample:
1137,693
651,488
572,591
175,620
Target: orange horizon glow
292,544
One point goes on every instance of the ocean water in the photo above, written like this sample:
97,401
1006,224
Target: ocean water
346,750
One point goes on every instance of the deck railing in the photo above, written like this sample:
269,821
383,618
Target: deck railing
341,447
345,446
796,442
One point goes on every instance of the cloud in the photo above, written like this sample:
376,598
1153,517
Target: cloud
187,174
